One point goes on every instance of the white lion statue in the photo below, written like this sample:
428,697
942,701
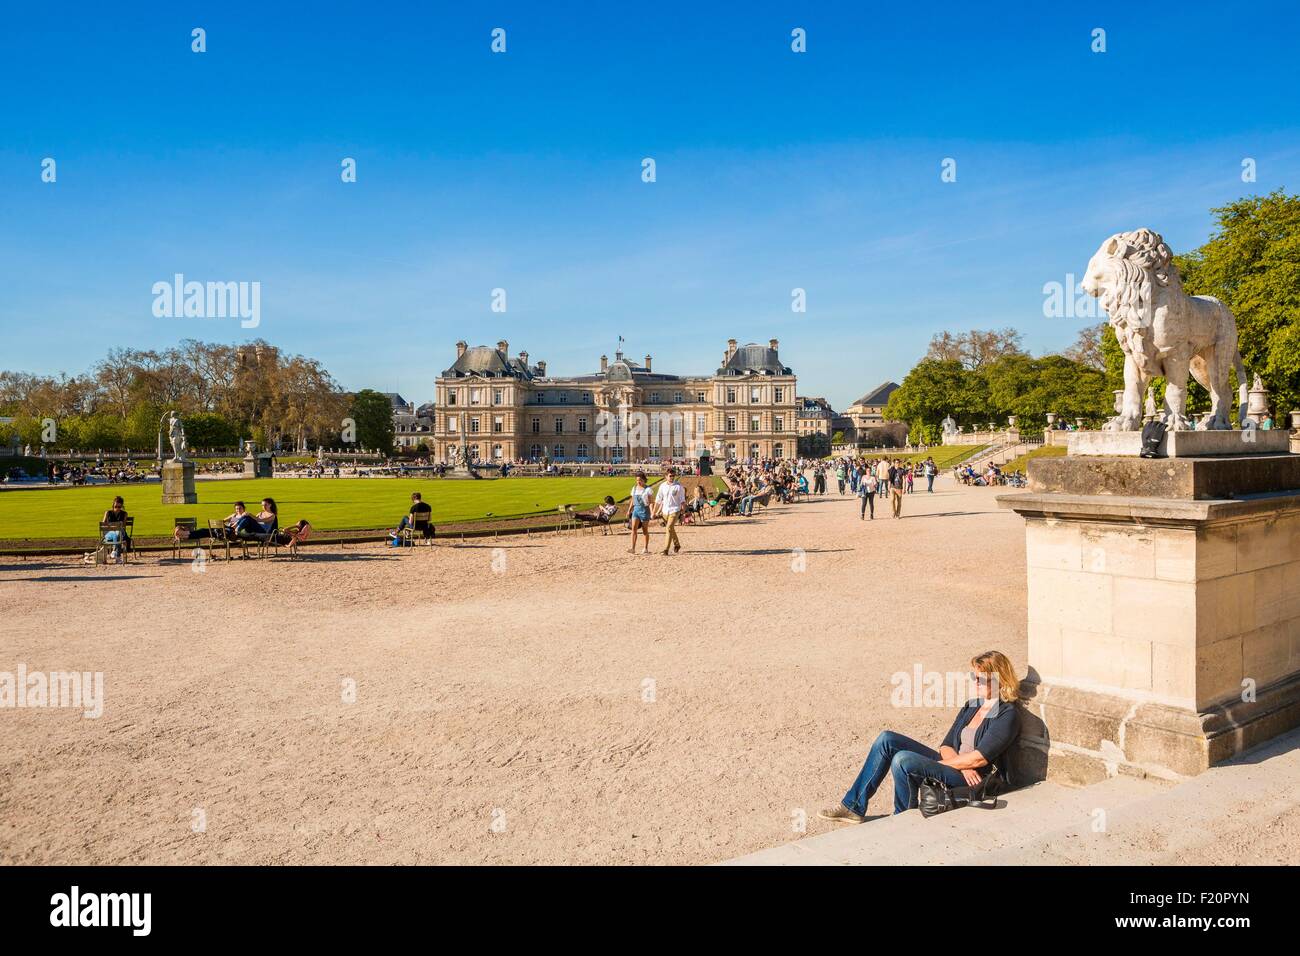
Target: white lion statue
1164,331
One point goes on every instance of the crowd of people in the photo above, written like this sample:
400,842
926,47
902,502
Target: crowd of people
991,475
870,478
744,487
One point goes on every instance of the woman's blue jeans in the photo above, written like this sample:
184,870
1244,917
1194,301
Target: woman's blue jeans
909,762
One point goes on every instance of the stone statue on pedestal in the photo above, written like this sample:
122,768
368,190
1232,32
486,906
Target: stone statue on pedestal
178,473
176,434
1163,331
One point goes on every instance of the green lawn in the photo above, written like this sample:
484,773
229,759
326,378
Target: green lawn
1046,451
330,504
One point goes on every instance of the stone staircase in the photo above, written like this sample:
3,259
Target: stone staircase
999,454
1247,808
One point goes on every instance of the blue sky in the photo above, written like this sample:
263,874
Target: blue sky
522,171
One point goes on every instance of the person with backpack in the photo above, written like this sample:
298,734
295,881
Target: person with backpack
896,478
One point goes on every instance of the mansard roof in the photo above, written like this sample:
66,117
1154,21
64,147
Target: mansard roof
762,359
878,395
489,362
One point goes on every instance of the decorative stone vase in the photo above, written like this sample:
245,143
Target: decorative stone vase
1257,401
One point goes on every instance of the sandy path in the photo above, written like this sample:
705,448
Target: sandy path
493,677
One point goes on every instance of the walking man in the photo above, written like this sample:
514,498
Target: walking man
931,469
669,502
896,489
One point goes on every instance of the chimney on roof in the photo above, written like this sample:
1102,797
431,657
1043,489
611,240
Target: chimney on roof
504,348
647,363
772,344
460,348
541,368
604,364
731,350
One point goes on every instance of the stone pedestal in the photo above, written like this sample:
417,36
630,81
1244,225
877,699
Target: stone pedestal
1164,626
258,465
1182,444
178,483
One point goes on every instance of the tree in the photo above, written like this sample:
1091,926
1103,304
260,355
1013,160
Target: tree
974,349
816,445
1087,348
373,414
210,430
936,388
1030,388
1252,264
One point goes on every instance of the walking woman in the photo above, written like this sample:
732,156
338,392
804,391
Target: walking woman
839,475
867,494
642,498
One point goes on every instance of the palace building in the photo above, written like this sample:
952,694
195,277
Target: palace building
499,407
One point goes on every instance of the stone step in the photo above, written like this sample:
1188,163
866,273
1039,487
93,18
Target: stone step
1236,811
1239,809
965,836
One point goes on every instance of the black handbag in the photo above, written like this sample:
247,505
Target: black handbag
935,797
1153,433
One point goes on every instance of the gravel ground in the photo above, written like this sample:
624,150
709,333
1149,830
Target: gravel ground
538,700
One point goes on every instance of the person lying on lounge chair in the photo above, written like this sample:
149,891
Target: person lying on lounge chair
229,522
601,514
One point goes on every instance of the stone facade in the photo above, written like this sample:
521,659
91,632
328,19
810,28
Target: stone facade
412,426
501,407
863,423
1164,629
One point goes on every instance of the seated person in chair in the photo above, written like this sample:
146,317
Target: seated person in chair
983,731
698,504
418,507
230,521
117,539
601,514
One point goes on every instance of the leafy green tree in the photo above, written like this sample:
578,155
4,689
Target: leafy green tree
1252,264
210,430
373,414
938,387
1030,388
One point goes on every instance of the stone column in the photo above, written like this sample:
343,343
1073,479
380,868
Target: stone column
1163,601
